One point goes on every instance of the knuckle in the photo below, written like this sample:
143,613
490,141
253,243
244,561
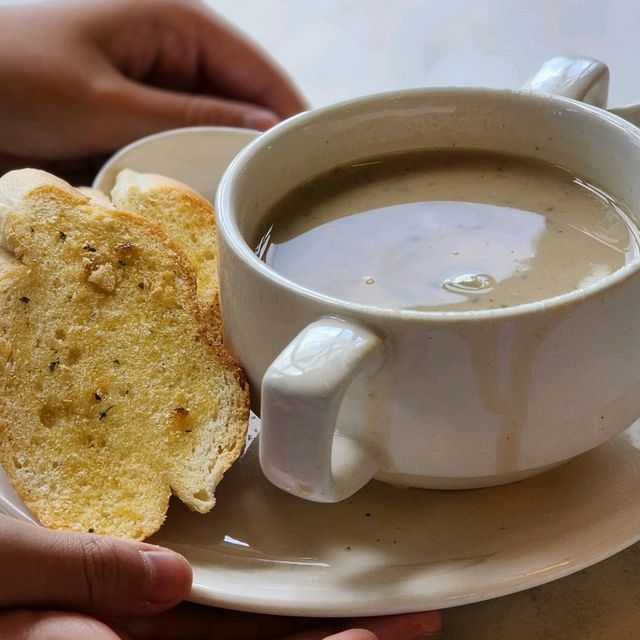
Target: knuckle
100,570
200,111
104,91
194,112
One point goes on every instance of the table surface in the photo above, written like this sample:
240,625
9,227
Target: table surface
338,49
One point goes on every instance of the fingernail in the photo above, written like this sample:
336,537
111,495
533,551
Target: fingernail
169,576
260,120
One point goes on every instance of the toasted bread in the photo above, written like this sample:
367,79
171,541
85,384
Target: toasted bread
112,396
188,218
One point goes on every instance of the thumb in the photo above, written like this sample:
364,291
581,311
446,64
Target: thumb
84,572
132,110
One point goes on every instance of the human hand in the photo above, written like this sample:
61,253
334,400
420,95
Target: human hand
81,79
195,622
70,586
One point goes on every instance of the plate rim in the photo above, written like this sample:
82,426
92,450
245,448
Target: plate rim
368,604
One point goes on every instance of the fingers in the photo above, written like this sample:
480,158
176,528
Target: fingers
85,572
54,625
410,626
175,109
116,71
350,634
354,634
183,44
130,111
197,622
326,633
240,69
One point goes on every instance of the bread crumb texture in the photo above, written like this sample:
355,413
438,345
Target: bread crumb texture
112,394
188,218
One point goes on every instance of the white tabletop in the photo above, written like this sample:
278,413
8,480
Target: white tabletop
337,49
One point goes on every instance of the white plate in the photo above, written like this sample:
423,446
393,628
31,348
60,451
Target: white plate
196,156
392,550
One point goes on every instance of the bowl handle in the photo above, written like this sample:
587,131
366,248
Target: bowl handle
583,79
301,396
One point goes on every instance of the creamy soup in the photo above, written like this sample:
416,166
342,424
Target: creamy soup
447,231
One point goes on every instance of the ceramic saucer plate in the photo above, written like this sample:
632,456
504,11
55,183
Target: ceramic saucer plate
196,156
389,550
